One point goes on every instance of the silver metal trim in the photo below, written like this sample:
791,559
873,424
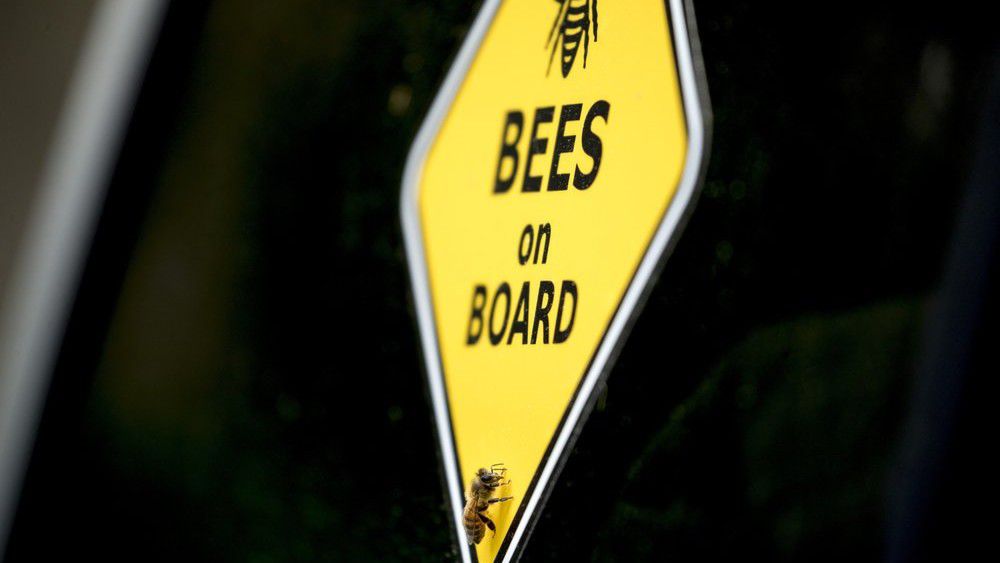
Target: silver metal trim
413,238
77,170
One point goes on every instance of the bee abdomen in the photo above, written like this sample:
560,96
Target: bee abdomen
474,529
575,24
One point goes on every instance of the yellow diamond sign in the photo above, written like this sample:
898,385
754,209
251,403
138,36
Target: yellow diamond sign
547,184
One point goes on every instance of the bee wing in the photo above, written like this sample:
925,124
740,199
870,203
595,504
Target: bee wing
593,17
559,16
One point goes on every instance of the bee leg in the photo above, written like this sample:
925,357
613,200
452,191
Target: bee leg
489,523
496,500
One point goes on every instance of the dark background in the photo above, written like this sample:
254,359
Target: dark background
241,379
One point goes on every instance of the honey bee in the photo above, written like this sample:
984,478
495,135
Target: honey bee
479,498
572,21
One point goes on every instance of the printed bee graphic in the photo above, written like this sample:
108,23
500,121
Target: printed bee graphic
479,498
572,21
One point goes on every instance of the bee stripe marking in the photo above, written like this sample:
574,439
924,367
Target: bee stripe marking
572,20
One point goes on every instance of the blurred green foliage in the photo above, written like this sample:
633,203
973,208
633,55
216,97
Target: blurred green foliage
783,443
